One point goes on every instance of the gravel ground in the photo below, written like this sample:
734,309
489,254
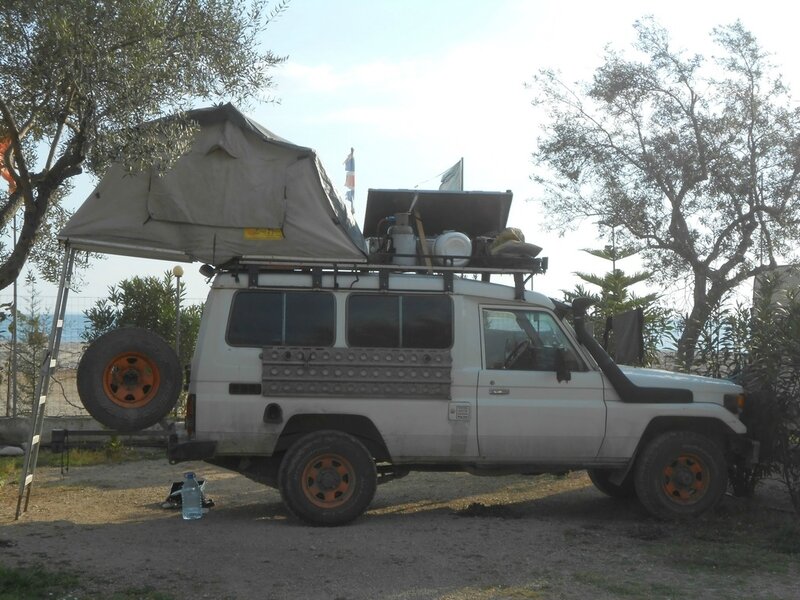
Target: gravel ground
429,535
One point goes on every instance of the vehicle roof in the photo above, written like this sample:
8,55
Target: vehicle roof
397,282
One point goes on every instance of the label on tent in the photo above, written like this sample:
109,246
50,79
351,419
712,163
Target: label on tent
259,233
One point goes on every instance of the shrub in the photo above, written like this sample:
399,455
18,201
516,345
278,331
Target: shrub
147,302
771,378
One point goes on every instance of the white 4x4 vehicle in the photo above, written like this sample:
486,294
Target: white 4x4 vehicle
324,383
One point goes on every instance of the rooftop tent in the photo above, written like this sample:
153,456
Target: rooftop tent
239,193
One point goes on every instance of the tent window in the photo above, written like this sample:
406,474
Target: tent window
274,318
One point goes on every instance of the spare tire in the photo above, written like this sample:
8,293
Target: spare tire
129,379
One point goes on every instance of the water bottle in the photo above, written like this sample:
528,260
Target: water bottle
191,498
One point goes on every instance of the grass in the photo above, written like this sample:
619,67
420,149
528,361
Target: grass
140,594
535,591
111,453
725,550
620,587
37,583
34,583
786,539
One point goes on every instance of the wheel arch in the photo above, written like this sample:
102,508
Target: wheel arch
719,431
708,426
359,426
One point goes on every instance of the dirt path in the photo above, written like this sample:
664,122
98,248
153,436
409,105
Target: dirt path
426,536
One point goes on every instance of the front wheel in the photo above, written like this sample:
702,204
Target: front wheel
680,474
327,478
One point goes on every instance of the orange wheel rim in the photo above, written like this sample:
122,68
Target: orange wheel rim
328,480
686,479
131,380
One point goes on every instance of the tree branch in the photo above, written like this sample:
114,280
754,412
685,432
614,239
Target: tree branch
59,129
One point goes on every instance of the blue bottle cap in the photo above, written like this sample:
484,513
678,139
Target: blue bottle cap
189,475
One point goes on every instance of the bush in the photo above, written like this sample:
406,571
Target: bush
771,378
147,302
32,330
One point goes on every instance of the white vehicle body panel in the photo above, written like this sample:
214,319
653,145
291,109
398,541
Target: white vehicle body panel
494,416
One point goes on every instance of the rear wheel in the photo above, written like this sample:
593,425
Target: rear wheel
327,478
601,480
680,474
129,379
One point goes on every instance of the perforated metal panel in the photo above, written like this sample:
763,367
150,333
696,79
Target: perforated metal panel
356,372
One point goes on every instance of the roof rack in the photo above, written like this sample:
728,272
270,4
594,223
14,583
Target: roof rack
522,271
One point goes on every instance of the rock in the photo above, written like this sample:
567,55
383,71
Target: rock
11,451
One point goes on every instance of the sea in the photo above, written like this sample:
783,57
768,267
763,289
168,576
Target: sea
74,326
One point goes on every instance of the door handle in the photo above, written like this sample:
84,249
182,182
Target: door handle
499,391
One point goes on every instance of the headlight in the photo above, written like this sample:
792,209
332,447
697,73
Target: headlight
734,403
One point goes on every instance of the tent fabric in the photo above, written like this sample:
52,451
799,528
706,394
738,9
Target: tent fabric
239,192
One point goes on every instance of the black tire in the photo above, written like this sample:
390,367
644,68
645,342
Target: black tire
129,379
680,474
601,480
327,478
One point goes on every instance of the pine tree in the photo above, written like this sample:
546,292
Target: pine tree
32,338
616,297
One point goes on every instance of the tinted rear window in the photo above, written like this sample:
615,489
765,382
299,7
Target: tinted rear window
274,318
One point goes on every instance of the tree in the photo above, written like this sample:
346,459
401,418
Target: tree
32,334
695,161
616,297
77,77
147,302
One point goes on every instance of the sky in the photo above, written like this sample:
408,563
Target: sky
415,85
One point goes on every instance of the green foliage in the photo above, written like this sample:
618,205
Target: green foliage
78,77
32,341
40,583
35,583
723,342
147,302
80,456
692,159
760,348
772,379
616,297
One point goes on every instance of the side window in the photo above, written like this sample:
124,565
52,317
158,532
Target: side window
275,318
256,319
522,340
373,321
310,319
427,322
399,321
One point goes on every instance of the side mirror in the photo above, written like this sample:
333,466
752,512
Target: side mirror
562,370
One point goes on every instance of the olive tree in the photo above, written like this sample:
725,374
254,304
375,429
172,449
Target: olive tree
696,161
78,76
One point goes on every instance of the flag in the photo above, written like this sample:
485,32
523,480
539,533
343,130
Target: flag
350,178
4,172
453,178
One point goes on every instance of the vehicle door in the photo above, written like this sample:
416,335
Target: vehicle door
538,400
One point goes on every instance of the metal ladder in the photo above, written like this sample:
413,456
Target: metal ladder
48,368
